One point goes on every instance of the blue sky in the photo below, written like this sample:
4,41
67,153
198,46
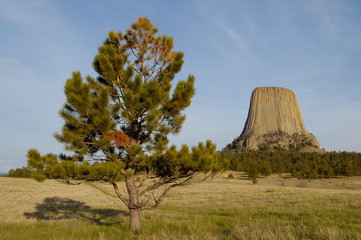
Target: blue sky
232,47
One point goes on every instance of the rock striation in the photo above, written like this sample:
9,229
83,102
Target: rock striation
274,122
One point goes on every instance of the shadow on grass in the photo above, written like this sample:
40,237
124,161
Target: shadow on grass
57,208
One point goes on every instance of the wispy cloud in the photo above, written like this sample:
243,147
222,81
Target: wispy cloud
14,10
8,60
14,71
36,14
330,16
240,42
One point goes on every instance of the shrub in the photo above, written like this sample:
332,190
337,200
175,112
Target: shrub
230,176
23,172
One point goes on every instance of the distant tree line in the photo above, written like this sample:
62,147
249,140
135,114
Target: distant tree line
299,164
264,163
23,172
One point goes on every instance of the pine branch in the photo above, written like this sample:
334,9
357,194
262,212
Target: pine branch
117,95
116,190
141,184
164,193
151,131
162,181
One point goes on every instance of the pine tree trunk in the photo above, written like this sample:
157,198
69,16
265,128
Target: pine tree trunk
134,221
134,212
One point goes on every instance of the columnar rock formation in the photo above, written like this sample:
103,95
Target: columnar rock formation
274,122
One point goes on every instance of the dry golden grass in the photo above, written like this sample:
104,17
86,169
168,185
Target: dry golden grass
277,207
20,195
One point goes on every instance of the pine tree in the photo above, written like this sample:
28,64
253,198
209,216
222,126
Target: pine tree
117,124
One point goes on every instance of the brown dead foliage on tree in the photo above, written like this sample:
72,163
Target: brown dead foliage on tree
118,137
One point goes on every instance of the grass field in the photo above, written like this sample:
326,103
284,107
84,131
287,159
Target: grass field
275,208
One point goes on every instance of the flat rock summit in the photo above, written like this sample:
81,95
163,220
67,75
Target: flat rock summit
274,122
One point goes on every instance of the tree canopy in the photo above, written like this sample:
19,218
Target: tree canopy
117,124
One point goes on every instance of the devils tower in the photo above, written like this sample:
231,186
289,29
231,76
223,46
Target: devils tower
274,122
